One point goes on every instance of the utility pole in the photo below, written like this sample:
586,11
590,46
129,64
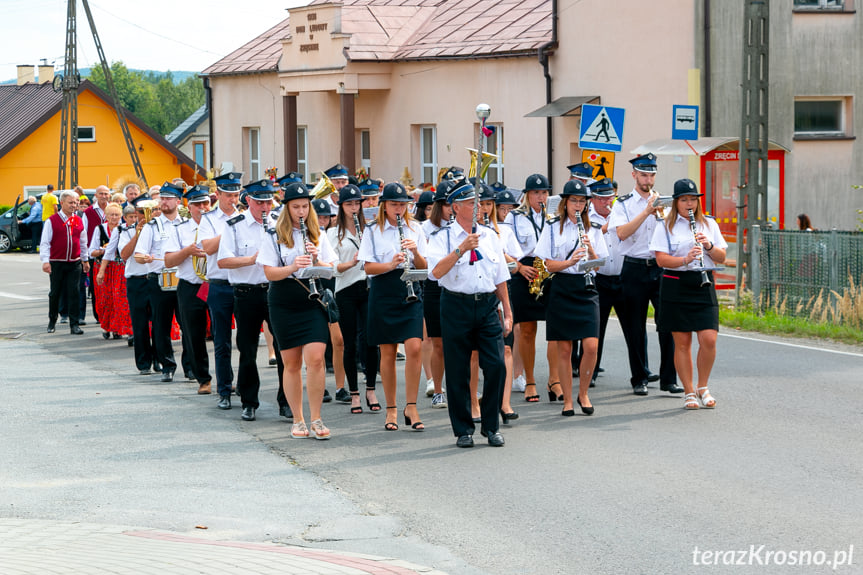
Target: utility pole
752,195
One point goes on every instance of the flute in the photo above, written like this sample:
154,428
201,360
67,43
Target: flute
705,281
412,296
589,283
314,294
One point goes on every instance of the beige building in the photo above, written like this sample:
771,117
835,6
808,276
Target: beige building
386,85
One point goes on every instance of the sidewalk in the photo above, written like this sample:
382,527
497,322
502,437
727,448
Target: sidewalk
36,546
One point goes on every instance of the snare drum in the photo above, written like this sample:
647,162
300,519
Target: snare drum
168,279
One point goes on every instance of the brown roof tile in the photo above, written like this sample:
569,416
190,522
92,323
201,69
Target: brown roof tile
260,54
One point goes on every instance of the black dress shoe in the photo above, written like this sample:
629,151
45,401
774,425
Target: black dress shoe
75,330
273,362
495,439
52,327
673,388
130,341
248,414
167,376
640,389
285,411
652,377
342,395
600,370
464,441
507,417
585,410
82,322
327,397
224,402
106,335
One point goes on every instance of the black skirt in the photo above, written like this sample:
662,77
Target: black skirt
295,319
525,306
391,318
573,311
684,305
431,307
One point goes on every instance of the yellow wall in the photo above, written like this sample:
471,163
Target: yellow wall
34,161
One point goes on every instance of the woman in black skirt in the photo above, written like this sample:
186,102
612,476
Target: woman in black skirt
437,220
299,324
352,295
573,303
393,319
687,302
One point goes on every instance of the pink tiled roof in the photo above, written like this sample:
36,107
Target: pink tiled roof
259,55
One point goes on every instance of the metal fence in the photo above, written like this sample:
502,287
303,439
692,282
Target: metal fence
793,271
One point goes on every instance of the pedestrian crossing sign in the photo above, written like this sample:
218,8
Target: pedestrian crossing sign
602,162
601,128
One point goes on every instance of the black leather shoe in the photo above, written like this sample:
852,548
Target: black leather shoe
495,439
248,414
52,327
640,389
82,322
507,417
673,388
167,376
652,377
285,411
464,441
75,330
342,395
224,402
130,341
327,397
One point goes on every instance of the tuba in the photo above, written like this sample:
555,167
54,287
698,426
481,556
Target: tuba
323,188
487,160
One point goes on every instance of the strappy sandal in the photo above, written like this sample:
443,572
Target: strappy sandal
690,401
552,396
707,401
372,406
356,408
299,430
319,430
531,398
391,425
416,425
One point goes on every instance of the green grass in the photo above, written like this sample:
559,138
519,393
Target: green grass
773,323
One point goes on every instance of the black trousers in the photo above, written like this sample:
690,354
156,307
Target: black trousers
163,305
193,318
80,295
64,280
36,233
611,296
640,285
353,302
472,324
220,300
138,295
250,312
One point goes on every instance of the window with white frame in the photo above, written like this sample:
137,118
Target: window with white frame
817,117
253,153
86,133
303,152
493,144
823,5
366,151
428,153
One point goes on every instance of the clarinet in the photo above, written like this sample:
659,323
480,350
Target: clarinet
359,229
412,296
589,283
314,294
705,281
485,221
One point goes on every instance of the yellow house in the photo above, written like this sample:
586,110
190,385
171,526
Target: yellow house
30,142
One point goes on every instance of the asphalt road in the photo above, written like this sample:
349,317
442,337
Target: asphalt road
633,489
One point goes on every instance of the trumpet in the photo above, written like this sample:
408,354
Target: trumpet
589,283
412,296
314,294
147,206
199,263
661,203
323,188
705,280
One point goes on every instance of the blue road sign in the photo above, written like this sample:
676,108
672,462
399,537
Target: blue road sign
684,123
601,128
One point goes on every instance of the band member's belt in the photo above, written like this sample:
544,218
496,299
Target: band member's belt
641,261
152,276
252,286
470,296
215,282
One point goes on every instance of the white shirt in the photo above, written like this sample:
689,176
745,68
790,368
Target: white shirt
133,268
268,255
481,277
243,239
187,234
48,235
511,247
99,211
96,240
153,238
526,229
681,241
566,242
614,263
345,251
381,246
623,211
213,225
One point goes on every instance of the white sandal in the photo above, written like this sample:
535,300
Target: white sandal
690,401
299,430
318,430
707,401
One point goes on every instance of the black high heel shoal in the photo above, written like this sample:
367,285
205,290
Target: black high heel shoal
415,425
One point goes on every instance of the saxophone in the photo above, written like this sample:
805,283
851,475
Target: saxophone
536,288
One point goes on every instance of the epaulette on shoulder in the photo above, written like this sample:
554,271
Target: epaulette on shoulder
210,213
152,222
709,216
596,225
271,231
553,219
182,221
624,198
439,230
235,220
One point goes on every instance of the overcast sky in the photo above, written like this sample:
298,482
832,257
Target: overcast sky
184,35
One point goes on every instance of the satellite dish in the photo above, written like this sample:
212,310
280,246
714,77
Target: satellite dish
58,83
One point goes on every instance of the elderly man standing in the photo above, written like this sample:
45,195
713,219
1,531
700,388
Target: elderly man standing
62,257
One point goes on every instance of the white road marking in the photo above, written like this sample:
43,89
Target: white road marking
16,296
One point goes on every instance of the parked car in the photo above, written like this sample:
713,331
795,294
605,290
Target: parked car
11,232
